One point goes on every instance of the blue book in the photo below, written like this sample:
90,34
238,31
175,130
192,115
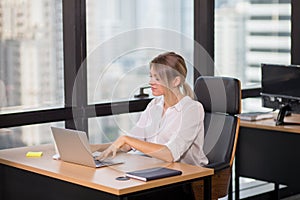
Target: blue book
153,173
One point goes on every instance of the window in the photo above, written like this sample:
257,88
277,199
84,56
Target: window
248,33
28,135
122,38
31,64
37,71
108,129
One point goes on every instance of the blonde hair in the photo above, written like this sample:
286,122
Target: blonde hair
170,65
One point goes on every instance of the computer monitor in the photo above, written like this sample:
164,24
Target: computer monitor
281,89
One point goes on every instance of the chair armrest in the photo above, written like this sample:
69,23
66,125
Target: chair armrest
218,166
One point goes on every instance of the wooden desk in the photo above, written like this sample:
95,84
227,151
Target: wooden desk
268,152
45,178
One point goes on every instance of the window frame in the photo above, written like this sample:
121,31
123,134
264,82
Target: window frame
74,44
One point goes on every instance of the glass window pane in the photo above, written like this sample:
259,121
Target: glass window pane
123,37
31,55
248,33
27,135
108,129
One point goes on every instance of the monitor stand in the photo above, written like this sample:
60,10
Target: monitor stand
283,111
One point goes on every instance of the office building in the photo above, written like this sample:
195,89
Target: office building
249,33
31,62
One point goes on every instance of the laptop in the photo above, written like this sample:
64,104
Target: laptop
73,146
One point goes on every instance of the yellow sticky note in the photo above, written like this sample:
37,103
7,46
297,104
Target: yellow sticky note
34,154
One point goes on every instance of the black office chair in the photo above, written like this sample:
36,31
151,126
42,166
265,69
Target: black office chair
221,99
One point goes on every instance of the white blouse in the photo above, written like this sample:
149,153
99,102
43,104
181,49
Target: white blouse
181,129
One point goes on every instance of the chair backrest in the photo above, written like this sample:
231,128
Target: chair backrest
221,99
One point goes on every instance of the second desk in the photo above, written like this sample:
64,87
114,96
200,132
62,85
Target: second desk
269,153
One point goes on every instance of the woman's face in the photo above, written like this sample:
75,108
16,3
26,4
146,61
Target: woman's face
157,86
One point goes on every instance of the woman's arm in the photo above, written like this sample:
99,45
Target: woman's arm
154,150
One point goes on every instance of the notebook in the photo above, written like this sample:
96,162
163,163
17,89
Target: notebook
254,116
73,146
153,173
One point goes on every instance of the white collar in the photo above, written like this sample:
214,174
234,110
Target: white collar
178,106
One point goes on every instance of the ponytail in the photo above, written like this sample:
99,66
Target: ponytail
187,90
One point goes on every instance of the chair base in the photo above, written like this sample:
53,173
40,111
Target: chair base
220,185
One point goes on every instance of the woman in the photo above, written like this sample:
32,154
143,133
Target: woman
171,127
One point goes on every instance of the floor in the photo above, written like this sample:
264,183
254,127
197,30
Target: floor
250,187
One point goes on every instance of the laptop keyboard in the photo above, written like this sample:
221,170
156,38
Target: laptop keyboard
99,162
103,163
